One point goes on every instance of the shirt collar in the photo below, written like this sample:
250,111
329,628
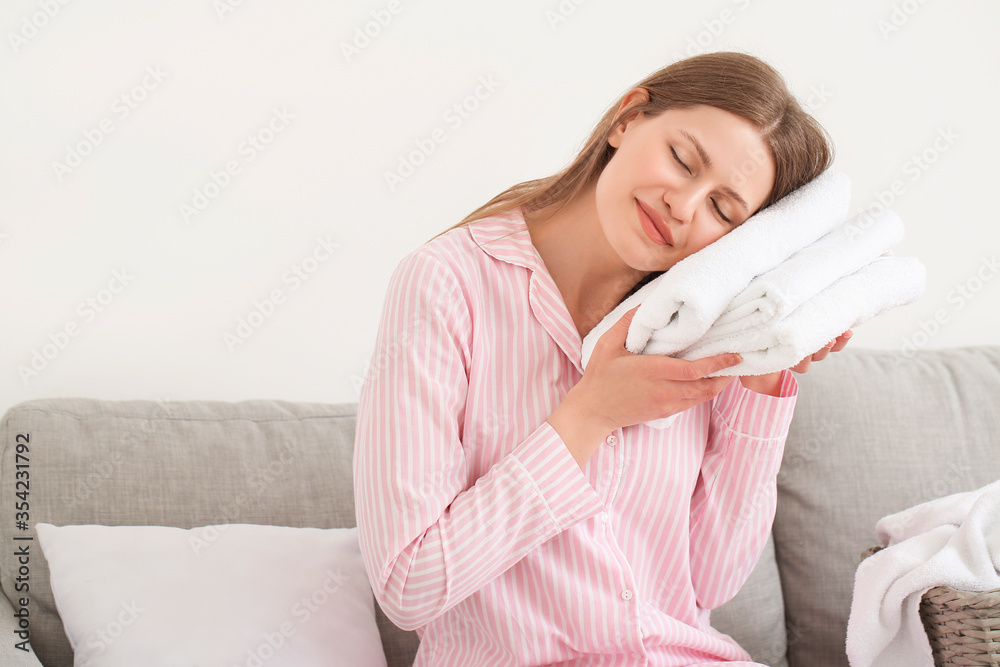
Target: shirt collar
505,237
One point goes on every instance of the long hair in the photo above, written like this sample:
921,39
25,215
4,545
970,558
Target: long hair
735,82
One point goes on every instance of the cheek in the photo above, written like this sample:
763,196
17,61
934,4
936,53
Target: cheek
632,166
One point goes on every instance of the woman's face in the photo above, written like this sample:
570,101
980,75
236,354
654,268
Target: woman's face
679,181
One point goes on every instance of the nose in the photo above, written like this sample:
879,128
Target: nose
681,202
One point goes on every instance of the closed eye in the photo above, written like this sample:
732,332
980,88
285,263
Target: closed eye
721,214
674,153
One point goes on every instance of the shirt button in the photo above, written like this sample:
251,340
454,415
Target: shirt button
612,439
626,595
604,517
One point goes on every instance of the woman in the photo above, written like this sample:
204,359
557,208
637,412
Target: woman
515,510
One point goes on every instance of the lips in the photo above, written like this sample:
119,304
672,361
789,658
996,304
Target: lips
653,225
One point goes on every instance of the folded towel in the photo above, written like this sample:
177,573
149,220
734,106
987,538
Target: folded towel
887,282
685,301
952,541
773,295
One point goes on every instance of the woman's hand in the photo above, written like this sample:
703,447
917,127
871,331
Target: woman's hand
835,345
619,389
625,388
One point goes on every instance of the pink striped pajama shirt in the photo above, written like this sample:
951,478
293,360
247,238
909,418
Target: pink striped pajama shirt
478,527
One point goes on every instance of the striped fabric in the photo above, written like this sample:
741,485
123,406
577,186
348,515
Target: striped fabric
477,526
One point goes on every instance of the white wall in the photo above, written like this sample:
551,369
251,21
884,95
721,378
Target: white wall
198,80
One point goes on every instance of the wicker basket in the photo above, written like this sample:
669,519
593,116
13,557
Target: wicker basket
963,627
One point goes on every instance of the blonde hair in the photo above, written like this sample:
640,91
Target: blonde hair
736,82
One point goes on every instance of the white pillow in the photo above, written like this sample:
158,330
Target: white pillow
221,596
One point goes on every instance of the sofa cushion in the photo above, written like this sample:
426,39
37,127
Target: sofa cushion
873,433
180,464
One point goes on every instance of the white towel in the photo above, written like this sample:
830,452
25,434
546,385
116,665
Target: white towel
685,301
887,282
952,541
773,295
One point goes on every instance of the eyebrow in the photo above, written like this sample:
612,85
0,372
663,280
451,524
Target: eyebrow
708,163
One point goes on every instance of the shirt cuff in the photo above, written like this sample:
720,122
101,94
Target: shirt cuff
556,477
758,415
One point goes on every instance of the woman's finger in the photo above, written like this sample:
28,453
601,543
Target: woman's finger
690,370
841,341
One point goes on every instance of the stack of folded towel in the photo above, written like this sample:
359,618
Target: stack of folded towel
952,541
777,288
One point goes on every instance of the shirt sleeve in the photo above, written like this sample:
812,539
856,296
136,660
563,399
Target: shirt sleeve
430,537
733,504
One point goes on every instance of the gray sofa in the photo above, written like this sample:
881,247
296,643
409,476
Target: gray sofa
874,432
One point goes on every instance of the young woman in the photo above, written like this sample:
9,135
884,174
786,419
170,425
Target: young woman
516,510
